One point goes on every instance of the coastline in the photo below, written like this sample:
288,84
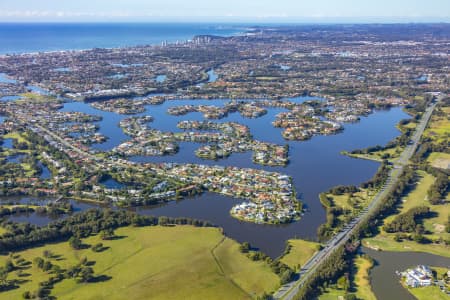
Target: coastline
235,30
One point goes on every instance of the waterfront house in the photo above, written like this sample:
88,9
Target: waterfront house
419,277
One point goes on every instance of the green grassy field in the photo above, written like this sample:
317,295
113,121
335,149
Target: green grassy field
300,252
418,197
429,292
393,153
439,127
181,262
410,125
435,225
35,97
387,243
350,201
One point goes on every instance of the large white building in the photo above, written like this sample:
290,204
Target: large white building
420,276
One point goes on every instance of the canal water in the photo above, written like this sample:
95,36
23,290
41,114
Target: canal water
8,143
9,98
6,79
161,78
315,165
212,76
39,219
15,158
111,183
384,280
45,173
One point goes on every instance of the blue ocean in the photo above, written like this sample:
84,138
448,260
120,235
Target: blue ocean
42,37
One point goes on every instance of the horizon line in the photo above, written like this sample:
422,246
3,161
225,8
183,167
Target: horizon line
231,22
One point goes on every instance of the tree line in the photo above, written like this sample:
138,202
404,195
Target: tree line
330,270
24,235
409,221
438,190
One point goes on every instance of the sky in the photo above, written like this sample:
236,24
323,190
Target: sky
293,11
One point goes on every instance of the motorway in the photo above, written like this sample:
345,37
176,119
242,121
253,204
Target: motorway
289,290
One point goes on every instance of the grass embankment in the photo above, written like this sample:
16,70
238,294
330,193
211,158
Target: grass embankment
429,292
390,154
180,262
360,285
300,252
362,278
434,226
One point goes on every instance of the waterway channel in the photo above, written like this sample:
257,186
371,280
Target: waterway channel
315,165
384,280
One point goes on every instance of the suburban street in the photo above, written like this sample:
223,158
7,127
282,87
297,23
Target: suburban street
289,290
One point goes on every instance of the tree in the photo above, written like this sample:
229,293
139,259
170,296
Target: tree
286,276
26,295
84,260
264,296
420,229
350,297
9,266
3,276
47,266
244,247
107,234
72,272
438,189
86,274
343,282
47,253
38,262
97,247
75,243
